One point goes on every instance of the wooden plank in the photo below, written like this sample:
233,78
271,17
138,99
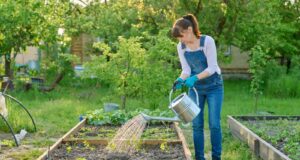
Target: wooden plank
266,117
186,149
258,145
75,129
44,156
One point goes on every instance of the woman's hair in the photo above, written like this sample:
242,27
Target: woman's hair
184,23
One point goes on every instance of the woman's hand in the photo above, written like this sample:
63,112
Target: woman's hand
189,82
178,84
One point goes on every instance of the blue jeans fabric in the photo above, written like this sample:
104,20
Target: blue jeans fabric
211,91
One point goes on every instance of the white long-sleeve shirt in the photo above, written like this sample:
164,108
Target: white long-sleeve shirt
210,52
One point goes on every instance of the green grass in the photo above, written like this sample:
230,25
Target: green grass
58,111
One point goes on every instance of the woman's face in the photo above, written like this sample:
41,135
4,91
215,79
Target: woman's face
186,36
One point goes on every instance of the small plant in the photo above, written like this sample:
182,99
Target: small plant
85,129
164,146
69,149
88,146
159,133
112,146
136,143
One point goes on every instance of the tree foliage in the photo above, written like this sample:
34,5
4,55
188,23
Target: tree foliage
257,64
146,66
133,70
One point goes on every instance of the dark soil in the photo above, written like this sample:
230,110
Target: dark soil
98,152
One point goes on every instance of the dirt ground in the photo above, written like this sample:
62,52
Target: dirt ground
26,150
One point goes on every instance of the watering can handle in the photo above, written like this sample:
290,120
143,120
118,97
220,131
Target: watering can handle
197,97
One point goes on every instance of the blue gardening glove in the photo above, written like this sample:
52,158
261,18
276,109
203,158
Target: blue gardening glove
178,84
189,82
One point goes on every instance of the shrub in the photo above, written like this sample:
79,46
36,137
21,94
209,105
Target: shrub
282,85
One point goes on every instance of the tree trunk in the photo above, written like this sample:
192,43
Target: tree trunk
256,101
123,99
59,77
199,7
8,73
282,60
7,65
288,64
221,24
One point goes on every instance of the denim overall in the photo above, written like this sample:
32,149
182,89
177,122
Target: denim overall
211,90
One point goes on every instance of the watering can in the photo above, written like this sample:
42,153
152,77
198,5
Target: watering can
183,106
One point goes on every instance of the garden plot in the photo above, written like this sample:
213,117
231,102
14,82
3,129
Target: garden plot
159,141
270,137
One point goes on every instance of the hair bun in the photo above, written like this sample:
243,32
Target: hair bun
188,17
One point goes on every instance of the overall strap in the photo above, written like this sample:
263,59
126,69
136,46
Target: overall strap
202,41
183,46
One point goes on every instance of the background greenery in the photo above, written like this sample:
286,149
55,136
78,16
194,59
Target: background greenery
133,59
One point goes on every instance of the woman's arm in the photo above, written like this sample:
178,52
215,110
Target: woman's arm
203,75
211,56
186,70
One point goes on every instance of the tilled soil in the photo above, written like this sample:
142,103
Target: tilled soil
98,152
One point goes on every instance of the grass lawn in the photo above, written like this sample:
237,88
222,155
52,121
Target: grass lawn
58,111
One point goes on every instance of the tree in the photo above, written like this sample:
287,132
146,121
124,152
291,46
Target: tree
257,64
124,67
19,21
133,71
34,23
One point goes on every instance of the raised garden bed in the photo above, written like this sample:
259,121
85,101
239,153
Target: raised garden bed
270,137
159,141
98,151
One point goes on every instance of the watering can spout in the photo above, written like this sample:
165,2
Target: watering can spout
150,118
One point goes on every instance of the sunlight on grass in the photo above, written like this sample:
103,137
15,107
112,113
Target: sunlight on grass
25,155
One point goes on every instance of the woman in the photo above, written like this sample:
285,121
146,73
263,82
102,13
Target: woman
198,58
